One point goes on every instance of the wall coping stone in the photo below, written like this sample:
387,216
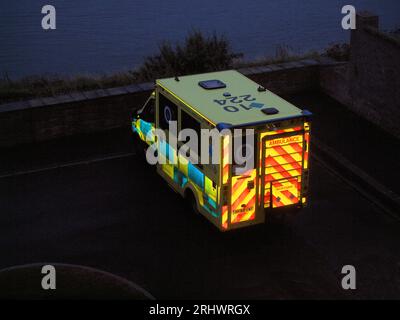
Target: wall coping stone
244,71
133,88
309,62
50,100
147,86
92,94
35,103
77,96
16,105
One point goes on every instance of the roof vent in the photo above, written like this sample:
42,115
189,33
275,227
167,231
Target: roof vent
261,89
212,84
270,111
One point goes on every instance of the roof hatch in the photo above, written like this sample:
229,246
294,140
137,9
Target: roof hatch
270,111
212,84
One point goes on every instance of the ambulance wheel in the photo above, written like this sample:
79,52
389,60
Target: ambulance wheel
191,201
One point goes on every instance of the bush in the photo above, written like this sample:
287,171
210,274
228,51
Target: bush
339,51
198,54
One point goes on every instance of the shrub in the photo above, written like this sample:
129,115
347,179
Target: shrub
198,54
339,51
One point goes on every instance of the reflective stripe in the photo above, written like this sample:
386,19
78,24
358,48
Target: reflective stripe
283,165
285,192
243,199
225,217
225,159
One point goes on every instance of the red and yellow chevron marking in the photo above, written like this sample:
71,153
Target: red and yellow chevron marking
225,159
283,161
225,217
243,198
285,192
307,139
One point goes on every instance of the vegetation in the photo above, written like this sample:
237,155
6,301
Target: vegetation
339,51
46,86
199,53
282,54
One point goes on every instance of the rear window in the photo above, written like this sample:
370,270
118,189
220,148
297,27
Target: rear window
188,122
168,111
243,153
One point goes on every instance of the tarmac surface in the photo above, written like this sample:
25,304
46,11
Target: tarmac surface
66,201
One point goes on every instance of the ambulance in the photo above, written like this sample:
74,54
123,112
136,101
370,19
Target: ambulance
226,196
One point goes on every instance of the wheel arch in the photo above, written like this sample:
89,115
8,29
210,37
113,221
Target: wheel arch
190,190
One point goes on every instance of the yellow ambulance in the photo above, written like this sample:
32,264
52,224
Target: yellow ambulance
229,100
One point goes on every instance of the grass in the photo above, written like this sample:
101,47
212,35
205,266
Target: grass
199,53
47,86
282,54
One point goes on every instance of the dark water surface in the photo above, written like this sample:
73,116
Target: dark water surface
97,36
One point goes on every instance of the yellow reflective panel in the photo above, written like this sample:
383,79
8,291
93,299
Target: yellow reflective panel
243,199
285,192
225,159
168,169
210,190
183,165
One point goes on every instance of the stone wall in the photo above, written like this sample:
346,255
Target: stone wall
50,118
98,110
370,83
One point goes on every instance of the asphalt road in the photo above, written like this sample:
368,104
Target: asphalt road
118,215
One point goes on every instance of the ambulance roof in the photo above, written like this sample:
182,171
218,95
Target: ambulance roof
233,99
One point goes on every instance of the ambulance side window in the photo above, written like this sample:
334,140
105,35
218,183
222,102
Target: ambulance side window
188,122
168,111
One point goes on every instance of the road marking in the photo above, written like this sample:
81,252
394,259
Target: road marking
68,164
